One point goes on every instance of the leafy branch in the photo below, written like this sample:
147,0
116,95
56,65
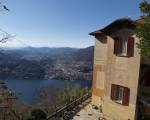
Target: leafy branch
143,30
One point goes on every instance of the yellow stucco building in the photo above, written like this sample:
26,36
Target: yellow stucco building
116,69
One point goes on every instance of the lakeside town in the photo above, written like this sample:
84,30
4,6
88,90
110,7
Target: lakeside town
47,63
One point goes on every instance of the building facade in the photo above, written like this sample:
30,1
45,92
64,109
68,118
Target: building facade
116,70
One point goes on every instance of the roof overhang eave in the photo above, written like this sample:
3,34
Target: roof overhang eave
96,33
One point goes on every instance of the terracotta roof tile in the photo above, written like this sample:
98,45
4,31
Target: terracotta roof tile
117,24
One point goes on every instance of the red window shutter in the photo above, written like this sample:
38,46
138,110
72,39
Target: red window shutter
113,91
116,45
126,96
130,46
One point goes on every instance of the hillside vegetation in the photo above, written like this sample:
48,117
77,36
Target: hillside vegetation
46,63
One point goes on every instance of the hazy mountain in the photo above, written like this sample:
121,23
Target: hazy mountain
46,63
85,54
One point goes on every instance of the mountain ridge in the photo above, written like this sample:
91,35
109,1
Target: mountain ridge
52,63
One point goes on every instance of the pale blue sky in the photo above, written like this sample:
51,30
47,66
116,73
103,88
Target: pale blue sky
62,23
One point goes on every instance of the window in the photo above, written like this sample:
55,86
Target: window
124,47
120,94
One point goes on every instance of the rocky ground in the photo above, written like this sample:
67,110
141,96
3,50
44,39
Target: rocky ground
89,112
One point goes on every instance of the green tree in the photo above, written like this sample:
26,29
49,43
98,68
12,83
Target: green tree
143,29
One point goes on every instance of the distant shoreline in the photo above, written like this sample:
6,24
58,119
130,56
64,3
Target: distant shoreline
3,79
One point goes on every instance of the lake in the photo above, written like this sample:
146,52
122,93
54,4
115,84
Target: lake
25,89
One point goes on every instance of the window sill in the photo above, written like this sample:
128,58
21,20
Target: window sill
122,55
120,103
